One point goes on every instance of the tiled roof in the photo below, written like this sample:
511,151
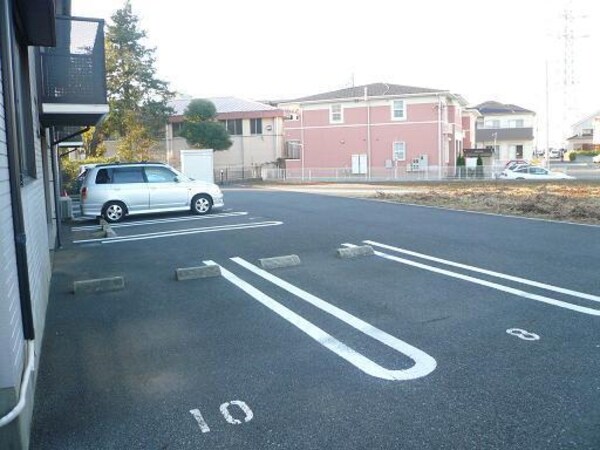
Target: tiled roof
223,105
373,90
585,119
492,107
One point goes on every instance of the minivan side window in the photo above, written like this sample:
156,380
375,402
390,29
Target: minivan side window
125,175
159,175
103,177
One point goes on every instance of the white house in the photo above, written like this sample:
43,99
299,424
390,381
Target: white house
585,133
507,129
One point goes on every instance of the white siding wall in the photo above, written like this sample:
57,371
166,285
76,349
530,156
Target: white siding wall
11,335
528,119
36,228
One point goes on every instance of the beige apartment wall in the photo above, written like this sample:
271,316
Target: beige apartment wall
247,150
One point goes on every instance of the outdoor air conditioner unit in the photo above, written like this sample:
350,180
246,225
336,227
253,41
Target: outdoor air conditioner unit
66,208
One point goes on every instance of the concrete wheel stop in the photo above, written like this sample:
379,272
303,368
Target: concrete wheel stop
98,285
354,252
195,273
279,262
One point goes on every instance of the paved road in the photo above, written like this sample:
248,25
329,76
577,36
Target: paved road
389,351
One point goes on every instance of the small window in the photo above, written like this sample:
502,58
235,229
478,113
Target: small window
128,175
103,177
255,126
159,175
336,114
293,149
492,123
22,99
398,110
538,171
399,151
515,123
177,129
519,151
234,126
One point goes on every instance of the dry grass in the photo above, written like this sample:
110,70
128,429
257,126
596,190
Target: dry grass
573,201
576,202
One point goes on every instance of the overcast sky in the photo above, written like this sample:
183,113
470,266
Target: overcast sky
269,49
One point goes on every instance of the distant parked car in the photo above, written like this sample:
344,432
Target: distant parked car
596,159
510,165
116,190
555,153
533,173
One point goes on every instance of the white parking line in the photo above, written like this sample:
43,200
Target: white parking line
545,286
164,234
424,364
499,287
161,221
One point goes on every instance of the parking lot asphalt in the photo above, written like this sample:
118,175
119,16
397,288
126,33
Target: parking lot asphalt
462,331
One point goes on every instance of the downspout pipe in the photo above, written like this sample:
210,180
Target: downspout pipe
56,179
440,136
14,169
366,99
302,139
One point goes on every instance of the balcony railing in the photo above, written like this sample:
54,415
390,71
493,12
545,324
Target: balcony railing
73,74
503,134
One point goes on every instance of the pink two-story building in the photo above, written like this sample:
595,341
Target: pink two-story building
375,130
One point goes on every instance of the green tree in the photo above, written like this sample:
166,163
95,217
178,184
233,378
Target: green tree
137,98
200,128
479,168
460,166
136,144
92,146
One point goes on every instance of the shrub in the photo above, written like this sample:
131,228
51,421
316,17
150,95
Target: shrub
588,152
479,168
572,156
460,166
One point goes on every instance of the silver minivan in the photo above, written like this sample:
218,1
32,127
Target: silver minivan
116,190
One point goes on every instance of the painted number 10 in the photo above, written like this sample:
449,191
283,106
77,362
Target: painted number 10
224,408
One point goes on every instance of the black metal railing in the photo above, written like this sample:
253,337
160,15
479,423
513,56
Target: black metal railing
73,71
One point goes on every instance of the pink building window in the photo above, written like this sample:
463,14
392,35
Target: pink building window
398,110
399,151
336,113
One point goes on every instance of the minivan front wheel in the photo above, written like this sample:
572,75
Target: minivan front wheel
113,212
201,204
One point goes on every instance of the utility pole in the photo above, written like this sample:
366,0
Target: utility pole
547,119
569,37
